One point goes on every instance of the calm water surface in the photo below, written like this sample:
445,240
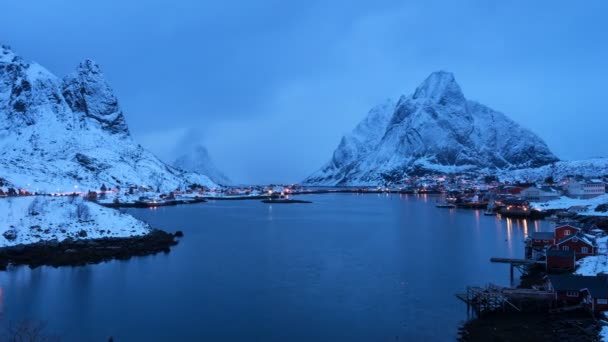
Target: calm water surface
348,267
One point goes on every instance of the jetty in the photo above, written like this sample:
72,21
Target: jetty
495,298
522,264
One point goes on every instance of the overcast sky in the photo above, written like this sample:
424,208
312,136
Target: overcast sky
270,86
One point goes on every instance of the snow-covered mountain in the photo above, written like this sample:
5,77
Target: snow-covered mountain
65,134
198,160
435,130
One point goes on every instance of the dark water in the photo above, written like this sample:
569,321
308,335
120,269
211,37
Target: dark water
348,267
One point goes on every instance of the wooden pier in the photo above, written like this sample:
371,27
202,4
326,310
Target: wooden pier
494,298
521,264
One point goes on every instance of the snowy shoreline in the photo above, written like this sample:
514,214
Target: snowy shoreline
58,231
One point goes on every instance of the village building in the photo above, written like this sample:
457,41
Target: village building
584,189
560,261
564,231
539,194
578,243
590,292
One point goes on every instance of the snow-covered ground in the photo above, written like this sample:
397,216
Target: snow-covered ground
567,202
31,219
604,334
597,264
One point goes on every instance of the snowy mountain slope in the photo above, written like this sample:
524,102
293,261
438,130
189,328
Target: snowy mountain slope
31,219
198,160
596,167
356,145
435,130
62,135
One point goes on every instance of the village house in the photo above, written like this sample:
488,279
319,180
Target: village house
590,292
542,239
584,189
539,194
560,261
565,231
578,243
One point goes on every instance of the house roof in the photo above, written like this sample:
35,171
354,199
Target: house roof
567,225
597,286
579,236
542,235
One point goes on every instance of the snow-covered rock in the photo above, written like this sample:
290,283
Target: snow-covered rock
59,135
435,130
32,219
198,160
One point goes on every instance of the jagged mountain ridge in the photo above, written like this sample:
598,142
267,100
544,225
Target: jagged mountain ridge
434,130
198,160
65,134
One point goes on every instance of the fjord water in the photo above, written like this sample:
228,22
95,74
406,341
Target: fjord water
347,267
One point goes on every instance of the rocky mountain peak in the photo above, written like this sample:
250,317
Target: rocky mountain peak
56,133
6,54
435,130
87,92
440,87
89,67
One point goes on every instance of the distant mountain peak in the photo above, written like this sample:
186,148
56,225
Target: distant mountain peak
435,130
439,86
197,159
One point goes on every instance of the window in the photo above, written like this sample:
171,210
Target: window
572,294
584,250
602,301
565,248
567,232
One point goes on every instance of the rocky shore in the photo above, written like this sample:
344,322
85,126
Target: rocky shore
79,252
573,326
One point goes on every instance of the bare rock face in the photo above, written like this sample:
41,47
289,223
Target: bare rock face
87,93
435,130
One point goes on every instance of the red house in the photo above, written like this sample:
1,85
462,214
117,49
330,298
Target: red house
560,261
592,292
578,243
565,231
542,239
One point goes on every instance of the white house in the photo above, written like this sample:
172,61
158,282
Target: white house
584,188
539,194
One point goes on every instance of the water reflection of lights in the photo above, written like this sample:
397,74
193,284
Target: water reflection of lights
510,234
536,226
525,222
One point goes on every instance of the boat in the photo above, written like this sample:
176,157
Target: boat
445,205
